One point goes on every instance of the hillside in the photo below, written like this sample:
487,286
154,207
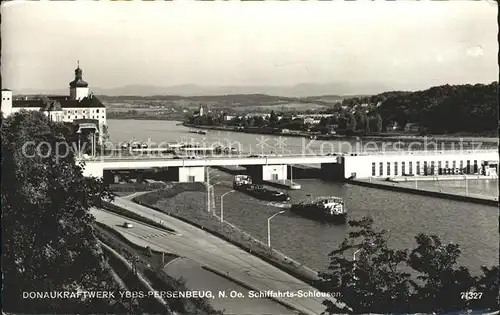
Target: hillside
440,109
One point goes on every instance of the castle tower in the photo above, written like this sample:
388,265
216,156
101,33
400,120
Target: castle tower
6,102
78,88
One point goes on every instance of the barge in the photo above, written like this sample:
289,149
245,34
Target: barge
326,209
244,184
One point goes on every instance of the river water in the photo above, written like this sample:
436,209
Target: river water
474,227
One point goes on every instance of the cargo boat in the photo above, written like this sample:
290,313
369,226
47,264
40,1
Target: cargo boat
244,184
327,209
200,132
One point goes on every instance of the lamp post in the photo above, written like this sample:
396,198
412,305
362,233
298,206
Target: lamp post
211,196
208,187
269,227
285,167
93,144
79,132
222,205
354,257
466,186
355,253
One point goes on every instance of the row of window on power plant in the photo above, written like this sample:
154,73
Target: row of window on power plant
428,168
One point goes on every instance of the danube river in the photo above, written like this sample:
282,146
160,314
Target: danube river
474,227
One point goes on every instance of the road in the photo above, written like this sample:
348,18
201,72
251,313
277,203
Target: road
208,250
200,279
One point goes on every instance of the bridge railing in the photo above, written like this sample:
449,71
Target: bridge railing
292,155
423,152
168,157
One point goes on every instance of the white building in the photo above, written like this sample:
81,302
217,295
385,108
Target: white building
80,107
421,163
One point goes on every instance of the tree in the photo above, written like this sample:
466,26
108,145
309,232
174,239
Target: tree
360,118
473,108
251,121
259,121
376,282
443,281
351,125
343,123
236,121
378,123
49,241
273,118
368,123
382,280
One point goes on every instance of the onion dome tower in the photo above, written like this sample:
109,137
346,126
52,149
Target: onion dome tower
78,88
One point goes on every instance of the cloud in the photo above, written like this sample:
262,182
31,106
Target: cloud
474,51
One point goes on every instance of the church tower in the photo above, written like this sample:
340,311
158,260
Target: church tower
78,88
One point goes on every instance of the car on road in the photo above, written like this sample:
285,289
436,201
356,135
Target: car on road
128,225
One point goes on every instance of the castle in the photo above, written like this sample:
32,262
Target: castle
81,107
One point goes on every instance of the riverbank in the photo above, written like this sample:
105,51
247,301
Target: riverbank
113,115
173,202
440,178
394,186
379,137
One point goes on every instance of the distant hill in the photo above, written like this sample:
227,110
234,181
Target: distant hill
441,109
298,90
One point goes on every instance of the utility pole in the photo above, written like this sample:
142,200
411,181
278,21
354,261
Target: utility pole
208,191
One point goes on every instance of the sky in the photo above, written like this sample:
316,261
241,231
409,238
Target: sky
404,44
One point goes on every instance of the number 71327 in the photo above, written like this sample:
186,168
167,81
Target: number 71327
471,295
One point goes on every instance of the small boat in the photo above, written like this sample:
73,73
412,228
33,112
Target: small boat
244,184
327,209
200,132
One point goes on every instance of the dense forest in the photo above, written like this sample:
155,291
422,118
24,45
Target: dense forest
440,109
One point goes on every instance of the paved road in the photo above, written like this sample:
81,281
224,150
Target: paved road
200,279
210,251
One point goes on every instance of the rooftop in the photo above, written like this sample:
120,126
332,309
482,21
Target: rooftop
65,102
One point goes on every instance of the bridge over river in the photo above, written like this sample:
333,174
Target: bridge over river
474,227
337,166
